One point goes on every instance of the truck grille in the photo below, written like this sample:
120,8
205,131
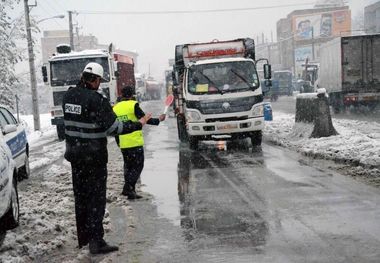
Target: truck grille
224,105
227,119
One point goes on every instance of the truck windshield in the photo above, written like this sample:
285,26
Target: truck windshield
68,72
222,77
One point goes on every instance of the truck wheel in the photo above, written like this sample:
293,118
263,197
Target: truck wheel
256,138
61,132
182,133
193,143
11,218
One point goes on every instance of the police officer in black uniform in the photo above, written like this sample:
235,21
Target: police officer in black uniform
89,119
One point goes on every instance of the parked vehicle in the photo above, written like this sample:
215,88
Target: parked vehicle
15,137
310,76
282,83
140,87
350,71
9,204
65,69
125,74
218,92
153,89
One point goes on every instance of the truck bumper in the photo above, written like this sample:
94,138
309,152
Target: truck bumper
57,121
230,128
360,98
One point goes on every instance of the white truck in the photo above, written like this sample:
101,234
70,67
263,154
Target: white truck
350,71
64,70
218,92
140,86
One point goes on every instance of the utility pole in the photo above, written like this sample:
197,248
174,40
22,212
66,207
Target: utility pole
78,38
71,29
312,43
32,69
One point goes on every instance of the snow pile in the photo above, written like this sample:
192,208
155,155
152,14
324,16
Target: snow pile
46,132
46,219
358,142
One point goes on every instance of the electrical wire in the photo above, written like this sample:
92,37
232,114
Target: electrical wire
188,11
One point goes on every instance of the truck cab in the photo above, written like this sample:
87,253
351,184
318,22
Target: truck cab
64,70
219,95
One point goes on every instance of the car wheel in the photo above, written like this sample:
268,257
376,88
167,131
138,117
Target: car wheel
11,218
24,171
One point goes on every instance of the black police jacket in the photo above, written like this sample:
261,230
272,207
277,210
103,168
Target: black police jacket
89,119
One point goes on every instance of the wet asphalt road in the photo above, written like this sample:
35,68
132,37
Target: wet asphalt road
230,203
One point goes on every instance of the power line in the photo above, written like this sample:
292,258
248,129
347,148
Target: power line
189,11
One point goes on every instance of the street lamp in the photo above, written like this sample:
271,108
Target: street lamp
47,18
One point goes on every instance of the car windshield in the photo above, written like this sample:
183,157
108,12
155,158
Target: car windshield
68,72
222,77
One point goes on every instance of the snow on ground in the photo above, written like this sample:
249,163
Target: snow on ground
358,142
47,225
47,221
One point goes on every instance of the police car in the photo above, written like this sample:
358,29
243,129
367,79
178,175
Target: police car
9,206
15,137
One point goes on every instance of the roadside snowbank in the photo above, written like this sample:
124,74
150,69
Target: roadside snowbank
358,142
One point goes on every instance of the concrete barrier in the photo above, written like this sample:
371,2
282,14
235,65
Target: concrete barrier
314,108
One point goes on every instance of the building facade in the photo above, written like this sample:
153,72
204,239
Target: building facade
301,33
372,18
52,38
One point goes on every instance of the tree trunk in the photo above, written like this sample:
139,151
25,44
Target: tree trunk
323,126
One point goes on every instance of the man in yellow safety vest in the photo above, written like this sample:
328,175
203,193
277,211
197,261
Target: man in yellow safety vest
132,144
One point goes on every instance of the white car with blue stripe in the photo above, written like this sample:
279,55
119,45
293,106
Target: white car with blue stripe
15,137
9,205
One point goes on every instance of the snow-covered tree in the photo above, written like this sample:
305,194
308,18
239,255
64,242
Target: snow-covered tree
10,31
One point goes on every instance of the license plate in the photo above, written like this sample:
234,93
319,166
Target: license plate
227,126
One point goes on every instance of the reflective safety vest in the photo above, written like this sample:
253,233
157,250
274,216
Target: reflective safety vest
125,111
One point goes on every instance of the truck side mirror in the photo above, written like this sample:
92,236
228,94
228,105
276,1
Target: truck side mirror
267,71
44,74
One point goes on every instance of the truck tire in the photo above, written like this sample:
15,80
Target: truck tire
61,132
182,133
11,218
256,138
193,143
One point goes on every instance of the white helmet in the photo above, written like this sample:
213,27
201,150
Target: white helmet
94,68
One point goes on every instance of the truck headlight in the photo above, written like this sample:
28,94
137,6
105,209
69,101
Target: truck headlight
193,116
258,111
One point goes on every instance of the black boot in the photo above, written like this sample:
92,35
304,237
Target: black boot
133,195
101,247
127,190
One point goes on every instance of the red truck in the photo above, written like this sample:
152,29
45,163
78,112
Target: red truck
125,69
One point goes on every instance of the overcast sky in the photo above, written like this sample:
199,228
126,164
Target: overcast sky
154,36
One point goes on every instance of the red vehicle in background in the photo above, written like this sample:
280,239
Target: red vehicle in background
125,72
153,89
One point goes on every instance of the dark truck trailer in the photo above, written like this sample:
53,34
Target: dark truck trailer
126,73
350,71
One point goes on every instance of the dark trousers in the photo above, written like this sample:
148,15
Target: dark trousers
89,185
133,166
